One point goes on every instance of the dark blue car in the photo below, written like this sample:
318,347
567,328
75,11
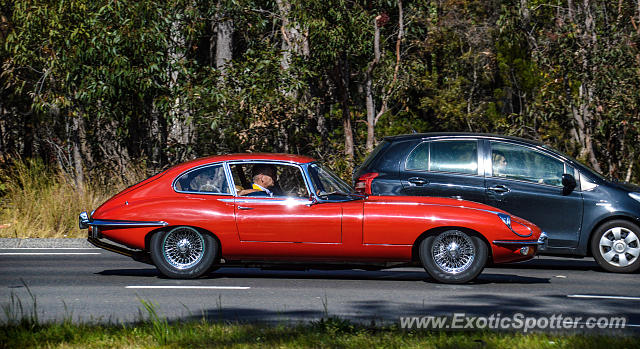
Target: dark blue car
581,212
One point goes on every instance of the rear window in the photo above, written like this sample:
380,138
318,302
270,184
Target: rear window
382,146
206,180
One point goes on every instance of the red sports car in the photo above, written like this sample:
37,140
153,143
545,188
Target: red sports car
287,210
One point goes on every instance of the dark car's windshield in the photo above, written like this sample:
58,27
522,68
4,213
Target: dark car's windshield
579,164
328,183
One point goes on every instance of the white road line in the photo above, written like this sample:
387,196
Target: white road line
46,253
590,296
194,287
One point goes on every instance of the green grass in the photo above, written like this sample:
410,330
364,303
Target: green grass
41,202
332,333
21,328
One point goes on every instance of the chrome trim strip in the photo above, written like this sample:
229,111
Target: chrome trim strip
516,242
122,223
275,201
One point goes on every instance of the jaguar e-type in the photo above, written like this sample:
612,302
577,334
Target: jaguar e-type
279,210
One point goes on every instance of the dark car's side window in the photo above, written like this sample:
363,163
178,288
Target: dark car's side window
419,158
209,179
454,156
525,164
445,156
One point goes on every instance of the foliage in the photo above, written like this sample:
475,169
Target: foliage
91,87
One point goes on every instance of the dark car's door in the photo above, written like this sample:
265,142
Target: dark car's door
527,182
445,168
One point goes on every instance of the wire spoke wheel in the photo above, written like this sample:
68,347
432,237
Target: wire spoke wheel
453,252
183,247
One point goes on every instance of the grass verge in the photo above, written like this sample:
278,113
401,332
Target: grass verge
23,329
40,202
333,333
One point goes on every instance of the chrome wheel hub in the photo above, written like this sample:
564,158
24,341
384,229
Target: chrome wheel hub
183,247
619,246
453,252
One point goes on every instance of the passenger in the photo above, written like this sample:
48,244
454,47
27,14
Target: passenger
499,164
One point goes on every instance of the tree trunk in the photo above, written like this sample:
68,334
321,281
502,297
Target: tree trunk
181,129
341,74
368,86
224,44
294,38
77,132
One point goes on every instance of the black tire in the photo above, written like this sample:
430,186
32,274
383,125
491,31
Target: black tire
432,248
183,252
622,256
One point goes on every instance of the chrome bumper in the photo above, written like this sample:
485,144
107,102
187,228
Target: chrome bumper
541,242
84,222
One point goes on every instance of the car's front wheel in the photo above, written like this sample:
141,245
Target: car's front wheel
453,256
183,252
616,246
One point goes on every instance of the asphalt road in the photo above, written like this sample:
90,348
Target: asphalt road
94,285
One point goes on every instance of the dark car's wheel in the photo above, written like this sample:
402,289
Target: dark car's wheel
453,256
616,246
183,252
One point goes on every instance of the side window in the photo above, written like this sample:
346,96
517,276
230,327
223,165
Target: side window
419,158
454,156
209,179
521,163
251,179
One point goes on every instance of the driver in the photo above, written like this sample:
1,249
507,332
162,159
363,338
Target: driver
264,178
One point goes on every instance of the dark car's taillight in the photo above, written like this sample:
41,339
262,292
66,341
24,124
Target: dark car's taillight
363,184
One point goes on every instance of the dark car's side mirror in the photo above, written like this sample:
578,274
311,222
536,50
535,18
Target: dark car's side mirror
568,184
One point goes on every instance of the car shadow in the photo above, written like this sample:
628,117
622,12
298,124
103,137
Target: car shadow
552,263
355,275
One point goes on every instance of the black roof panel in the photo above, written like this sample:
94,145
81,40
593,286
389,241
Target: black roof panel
434,135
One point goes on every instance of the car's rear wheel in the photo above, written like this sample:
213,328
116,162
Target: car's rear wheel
453,256
183,252
616,246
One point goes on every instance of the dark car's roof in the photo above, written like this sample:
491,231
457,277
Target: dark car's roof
433,135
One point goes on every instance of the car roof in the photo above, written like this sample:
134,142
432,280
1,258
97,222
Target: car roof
435,135
300,159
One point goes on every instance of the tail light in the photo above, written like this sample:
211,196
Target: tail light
363,184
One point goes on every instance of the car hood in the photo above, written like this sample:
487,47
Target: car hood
630,187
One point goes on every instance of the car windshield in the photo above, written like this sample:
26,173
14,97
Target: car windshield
327,183
579,164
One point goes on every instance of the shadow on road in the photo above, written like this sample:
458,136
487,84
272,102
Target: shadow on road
551,263
356,275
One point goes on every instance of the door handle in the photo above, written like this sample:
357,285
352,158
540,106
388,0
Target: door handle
418,181
244,208
500,189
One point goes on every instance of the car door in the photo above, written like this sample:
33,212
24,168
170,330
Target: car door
445,168
527,182
288,215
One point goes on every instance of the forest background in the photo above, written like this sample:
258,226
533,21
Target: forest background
95,95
